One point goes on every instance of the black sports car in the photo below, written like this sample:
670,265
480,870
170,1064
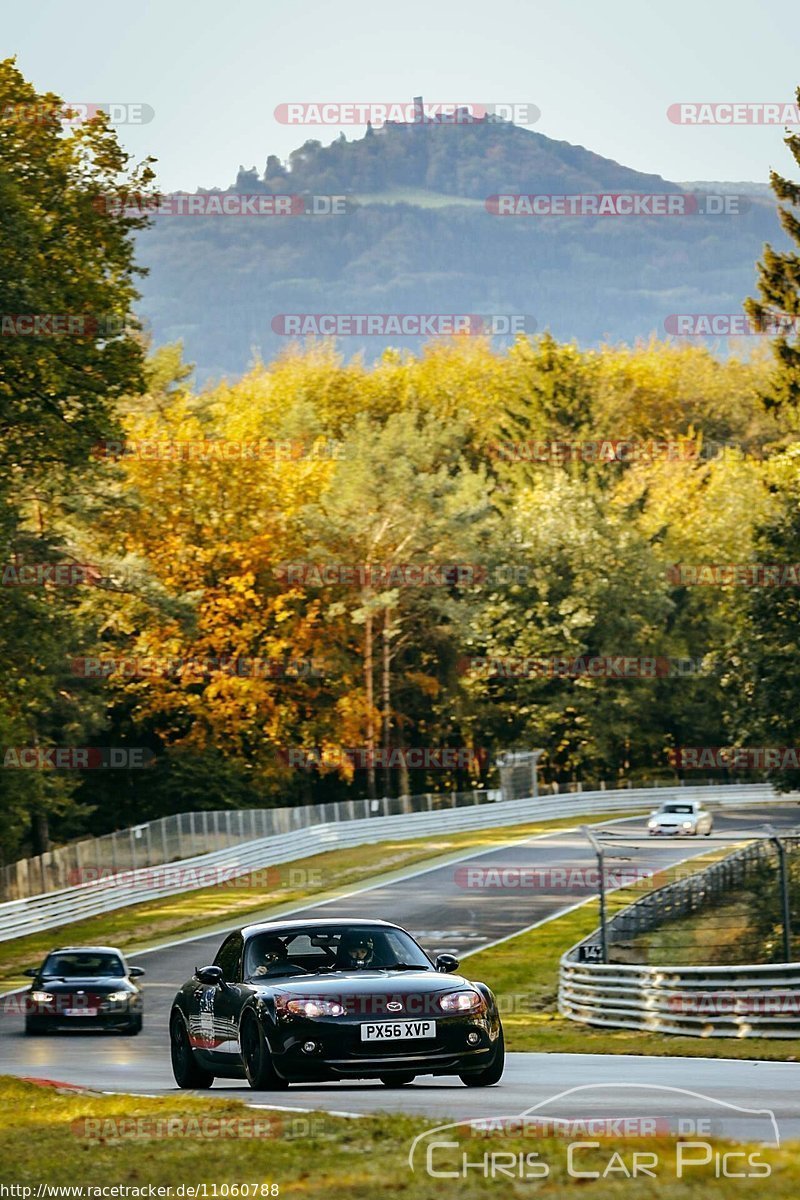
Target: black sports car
83,987
299,1001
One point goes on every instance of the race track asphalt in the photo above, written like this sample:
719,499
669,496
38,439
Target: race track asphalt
445,914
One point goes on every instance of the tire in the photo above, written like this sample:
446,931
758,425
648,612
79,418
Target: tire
708,831
398,1080
257,1058
32,1029
184,1065
491,1074
134,1027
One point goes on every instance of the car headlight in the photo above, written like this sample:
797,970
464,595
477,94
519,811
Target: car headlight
115,997
42,997
652,824
460,1002
688,824
316,1008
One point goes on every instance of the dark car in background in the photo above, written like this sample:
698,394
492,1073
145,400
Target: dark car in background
84,987
299,1001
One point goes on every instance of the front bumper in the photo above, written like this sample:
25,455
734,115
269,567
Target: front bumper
339,1052
120,1014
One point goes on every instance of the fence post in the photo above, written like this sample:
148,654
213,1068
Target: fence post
599,851
784,877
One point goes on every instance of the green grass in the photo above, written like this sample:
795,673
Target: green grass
139,926
719,936
316,1156
523,973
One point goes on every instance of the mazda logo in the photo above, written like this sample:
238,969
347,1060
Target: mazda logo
394,1006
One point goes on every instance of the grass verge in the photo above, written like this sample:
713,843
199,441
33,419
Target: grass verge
78,1139
139,926
718,936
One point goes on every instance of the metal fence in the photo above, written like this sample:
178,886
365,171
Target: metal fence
747,1000
363,823
685,897
187,835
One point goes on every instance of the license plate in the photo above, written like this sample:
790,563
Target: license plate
80,1012
385,1031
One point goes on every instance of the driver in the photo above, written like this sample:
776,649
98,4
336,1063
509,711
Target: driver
357,950
274,958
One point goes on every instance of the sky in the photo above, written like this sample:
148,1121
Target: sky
602,75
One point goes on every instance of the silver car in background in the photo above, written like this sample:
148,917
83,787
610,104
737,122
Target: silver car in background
680,818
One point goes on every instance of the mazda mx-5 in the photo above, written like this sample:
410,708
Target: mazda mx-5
304,1000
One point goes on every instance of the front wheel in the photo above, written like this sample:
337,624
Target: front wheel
491,1074
257,1059
134,1027
184,1065
400,1079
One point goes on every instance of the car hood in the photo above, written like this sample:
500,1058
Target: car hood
674,818
365,983
94,983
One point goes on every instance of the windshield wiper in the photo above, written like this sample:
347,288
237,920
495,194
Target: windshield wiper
405,967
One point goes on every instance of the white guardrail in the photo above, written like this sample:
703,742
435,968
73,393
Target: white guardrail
738,1001
48,911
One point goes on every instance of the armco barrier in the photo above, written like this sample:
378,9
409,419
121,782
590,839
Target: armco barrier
744,1001
748,1000
188,834
51,909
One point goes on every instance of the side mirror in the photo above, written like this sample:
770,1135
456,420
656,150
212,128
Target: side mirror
31,972
210,975
446,963
134,972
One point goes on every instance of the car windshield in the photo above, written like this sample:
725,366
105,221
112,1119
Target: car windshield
83,963
678,808
333,949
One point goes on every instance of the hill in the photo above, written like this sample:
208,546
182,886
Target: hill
417,238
